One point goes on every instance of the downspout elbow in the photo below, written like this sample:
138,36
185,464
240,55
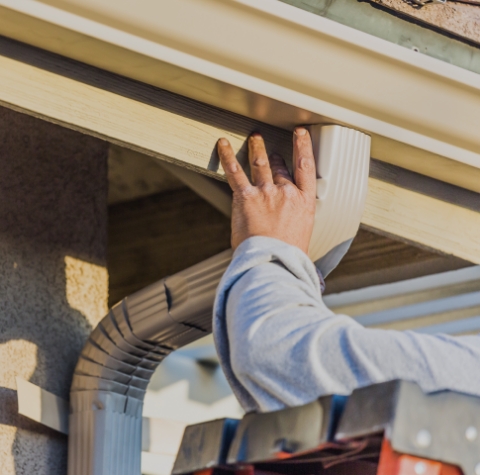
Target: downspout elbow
119,358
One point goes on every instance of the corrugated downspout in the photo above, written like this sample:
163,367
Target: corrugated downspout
121,354
119,358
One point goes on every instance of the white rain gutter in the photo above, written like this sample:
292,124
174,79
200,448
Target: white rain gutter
275,63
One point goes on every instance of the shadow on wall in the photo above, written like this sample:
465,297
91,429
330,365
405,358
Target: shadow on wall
53,282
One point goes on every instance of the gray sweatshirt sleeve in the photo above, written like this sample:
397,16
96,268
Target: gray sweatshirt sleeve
279,345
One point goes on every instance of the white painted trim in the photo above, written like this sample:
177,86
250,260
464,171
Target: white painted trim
420,101
465,325
418,310
419,284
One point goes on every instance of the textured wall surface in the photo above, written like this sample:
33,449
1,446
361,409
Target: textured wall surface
53,282
457,18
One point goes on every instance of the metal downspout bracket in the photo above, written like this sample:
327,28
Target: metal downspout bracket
121,354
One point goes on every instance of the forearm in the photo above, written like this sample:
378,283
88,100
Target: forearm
280,346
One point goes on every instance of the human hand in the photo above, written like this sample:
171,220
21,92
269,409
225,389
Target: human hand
275,204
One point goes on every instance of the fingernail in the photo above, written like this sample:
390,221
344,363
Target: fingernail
255,135
300,131
223,142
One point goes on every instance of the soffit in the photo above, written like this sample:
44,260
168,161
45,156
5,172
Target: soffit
132,175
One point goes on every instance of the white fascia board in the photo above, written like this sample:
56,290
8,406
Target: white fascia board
275,63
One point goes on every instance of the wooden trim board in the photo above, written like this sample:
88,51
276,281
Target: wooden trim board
182,131
423,220
124,112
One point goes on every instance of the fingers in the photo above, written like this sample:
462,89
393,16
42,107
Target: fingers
259,165
280,172
304,162
233,171
266,170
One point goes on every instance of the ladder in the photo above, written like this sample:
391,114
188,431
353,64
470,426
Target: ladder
390,428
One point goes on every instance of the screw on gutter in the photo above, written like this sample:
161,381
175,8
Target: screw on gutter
420,468
423,438
471,433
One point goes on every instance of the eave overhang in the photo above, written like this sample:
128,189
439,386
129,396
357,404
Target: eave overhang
277,64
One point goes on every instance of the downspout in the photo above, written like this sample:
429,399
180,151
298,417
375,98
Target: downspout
123,351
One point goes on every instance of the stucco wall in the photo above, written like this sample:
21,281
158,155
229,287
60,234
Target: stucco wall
457,18
53,279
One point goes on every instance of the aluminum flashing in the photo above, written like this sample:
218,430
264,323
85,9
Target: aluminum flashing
421,107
